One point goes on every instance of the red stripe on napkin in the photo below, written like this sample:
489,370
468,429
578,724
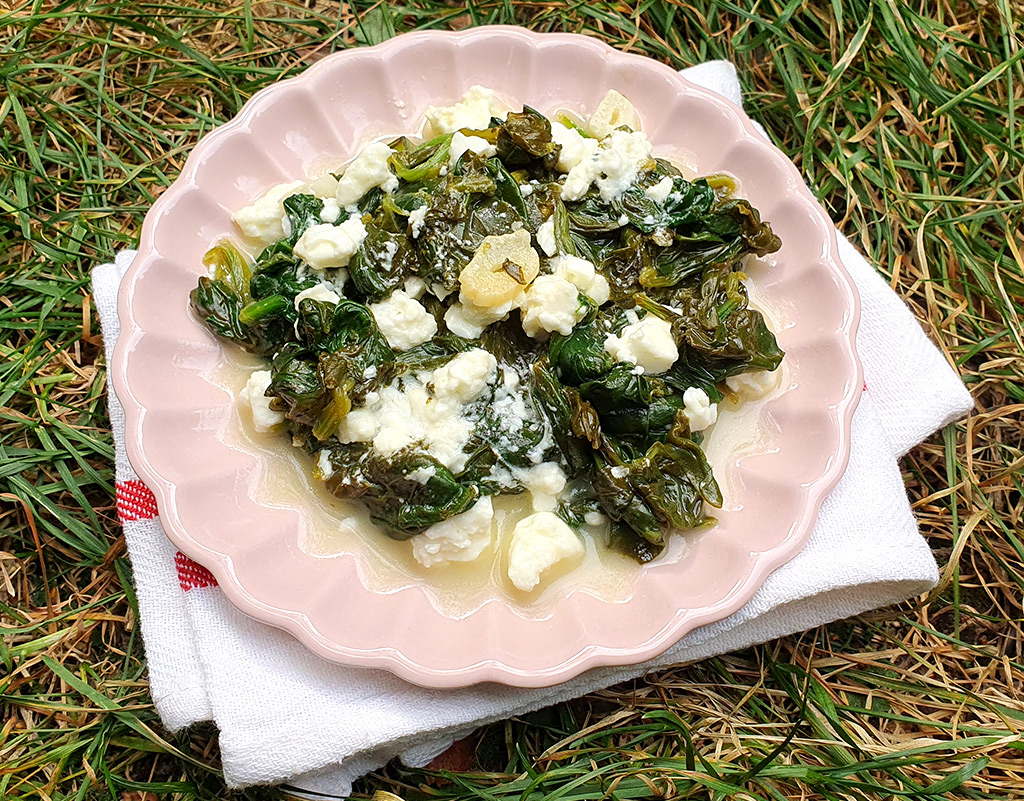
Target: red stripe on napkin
192,575
134,501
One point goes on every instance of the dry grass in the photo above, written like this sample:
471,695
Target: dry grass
906,119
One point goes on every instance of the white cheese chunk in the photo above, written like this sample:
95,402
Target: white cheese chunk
660,191
462,143
324,466
546,237
551,304
326,246
583,275
367,170
545,481
753,385
331,210
647,343
319,292
576,148
265,219
415,287
468,320
403,321
416,217
698,408
404,414
615,165
461,538
539,542
264,418
465,377
623,154
474,112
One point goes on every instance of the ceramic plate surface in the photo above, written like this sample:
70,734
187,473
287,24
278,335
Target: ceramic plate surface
207,490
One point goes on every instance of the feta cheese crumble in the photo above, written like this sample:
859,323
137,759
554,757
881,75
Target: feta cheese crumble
698,408
464,378
473,112
546,237
753,385
474,144
545,482
253,394
265,219
660,191
416,217
405,414
539,542
461,538
614,163
647,343
468,320
367,171
551,304
403,321
583,275
320,292
326,246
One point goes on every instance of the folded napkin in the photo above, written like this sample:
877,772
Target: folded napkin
286,715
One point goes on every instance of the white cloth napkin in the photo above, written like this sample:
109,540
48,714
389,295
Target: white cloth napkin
287,716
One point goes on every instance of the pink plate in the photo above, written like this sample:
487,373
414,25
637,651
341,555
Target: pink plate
177,416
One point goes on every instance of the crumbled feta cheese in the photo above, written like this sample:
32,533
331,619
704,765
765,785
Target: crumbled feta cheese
594,519
551,304
659,192
475,144
369,169
461,538
319,292
253,394
404,414
545,481
326,246
613,112
403,321
324,466
620,472
576,148
583,275
331,210
469,320
546,237
415,287
647,343
614,164
473,112
699,409
753,385
525,190
464,378
265,219
423,474
416,217
623,153
580,177
539,542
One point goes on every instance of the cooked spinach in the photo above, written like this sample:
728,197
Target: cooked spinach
621,437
